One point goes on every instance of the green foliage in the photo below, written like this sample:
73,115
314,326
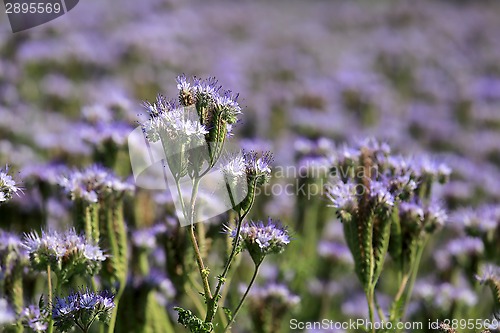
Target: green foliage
192,322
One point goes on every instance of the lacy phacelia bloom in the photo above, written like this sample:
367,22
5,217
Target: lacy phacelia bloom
258,168
234,167
261,239
8,186
82,308
35,318
93,183
67,253
343,196
490,274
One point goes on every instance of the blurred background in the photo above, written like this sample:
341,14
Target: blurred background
423,76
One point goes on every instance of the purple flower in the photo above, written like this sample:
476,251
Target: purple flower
93,183
343,196
83,308
67,253
490,274
258,168
261,239
34,318
8,186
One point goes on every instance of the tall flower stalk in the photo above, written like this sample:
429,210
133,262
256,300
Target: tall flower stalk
192,132
384,204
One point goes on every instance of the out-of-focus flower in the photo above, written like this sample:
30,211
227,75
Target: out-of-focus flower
93,183
146,238
12,253
8,186
67,253
35,318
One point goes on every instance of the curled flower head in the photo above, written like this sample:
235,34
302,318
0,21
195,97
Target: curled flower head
82,308
93,183
261,238
67,253
8,186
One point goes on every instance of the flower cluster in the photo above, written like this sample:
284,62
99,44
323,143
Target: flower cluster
8,186
67,253
261,238
193,130
258,169
93,183
82,308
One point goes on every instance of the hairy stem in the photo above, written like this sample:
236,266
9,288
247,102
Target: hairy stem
256,271
50,327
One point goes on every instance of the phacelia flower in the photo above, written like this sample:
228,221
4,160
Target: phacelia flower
82,308
67,253
343,196
93,183
234,167
490,273
8,186
261,239
258,168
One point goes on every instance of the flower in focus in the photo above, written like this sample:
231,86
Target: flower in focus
262,239
82,308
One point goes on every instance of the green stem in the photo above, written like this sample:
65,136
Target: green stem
414,271
244,296
199,260
212,308
369,299
49,283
